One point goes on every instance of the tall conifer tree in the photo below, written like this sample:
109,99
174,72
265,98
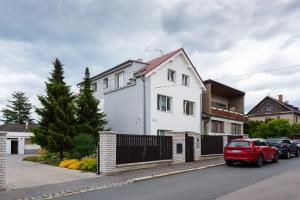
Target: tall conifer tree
90,120
57,114
18,109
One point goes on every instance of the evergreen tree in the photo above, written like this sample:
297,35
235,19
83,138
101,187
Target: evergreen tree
89,118
18,109
57,121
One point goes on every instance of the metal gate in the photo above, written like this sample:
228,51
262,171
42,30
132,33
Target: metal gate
189,148
211,144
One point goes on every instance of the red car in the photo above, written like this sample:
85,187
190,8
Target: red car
255,151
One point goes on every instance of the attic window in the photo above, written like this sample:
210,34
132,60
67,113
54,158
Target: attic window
94,87
268,108
171,75
105,83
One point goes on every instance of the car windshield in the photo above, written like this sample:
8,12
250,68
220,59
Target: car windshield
238,144
274,141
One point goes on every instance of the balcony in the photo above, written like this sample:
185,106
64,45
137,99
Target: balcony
227,113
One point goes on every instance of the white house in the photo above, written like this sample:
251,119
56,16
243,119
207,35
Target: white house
152,97
18,138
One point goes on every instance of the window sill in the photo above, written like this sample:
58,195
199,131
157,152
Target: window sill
165,111
189,115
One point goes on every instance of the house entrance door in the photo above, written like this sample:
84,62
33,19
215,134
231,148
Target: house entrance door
14,146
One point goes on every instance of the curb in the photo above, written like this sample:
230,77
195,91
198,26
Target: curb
84,189
173,173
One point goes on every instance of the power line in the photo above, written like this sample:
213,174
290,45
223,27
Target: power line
248,74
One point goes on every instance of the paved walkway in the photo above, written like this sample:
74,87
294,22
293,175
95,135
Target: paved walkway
22,174
100,181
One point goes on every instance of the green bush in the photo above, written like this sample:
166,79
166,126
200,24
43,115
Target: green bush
88,164
84,145
30,158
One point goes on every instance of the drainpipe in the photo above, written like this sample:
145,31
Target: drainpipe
144,104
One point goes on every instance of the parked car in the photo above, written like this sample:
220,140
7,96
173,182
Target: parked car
297,141
285,146
255,151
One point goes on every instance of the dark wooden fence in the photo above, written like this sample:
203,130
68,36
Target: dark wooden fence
211,144
142,148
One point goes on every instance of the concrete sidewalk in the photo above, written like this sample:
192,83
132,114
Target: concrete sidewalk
23,174
77,186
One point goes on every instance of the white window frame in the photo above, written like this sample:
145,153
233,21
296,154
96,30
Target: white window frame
171,75
94,87
191,103
168,103
161,132
185,80
119,80
105,83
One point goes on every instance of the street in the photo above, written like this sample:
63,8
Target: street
204,184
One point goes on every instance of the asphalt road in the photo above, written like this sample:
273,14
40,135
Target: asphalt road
204,184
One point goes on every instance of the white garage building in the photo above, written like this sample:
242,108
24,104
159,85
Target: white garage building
18,138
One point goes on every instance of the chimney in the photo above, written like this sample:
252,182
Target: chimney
139,59
280,98
26,125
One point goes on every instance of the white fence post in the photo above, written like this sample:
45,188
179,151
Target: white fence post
2,161
107,154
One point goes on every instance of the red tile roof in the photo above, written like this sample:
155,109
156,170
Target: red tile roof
152,64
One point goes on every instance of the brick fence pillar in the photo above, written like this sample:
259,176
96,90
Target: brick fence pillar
107,154
178,146
197,145
2,161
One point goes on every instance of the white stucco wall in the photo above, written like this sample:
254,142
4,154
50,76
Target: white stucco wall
124,109
128,73
175,120
20,137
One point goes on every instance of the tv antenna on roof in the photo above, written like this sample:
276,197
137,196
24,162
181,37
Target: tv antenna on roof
161,51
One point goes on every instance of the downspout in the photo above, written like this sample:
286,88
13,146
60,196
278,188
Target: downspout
144,104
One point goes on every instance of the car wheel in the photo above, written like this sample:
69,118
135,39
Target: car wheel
229,163
288,155
297,153
259,161
275,159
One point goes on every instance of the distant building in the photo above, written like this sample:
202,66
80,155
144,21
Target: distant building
18,138
223,109
271,108
151,97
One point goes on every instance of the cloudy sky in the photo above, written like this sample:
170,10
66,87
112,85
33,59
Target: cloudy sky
249,45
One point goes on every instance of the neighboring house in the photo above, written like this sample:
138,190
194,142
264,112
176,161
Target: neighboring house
151,97
18,138
223,109
271,108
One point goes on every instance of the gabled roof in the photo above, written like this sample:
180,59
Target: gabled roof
289,107
153,64
18,127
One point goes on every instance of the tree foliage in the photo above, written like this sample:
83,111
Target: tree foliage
18,109
273,128
90,120
57,114
84,145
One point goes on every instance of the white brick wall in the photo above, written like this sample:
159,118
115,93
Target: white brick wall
2,161
107,152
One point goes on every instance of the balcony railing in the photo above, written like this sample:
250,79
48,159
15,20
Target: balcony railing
227,113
